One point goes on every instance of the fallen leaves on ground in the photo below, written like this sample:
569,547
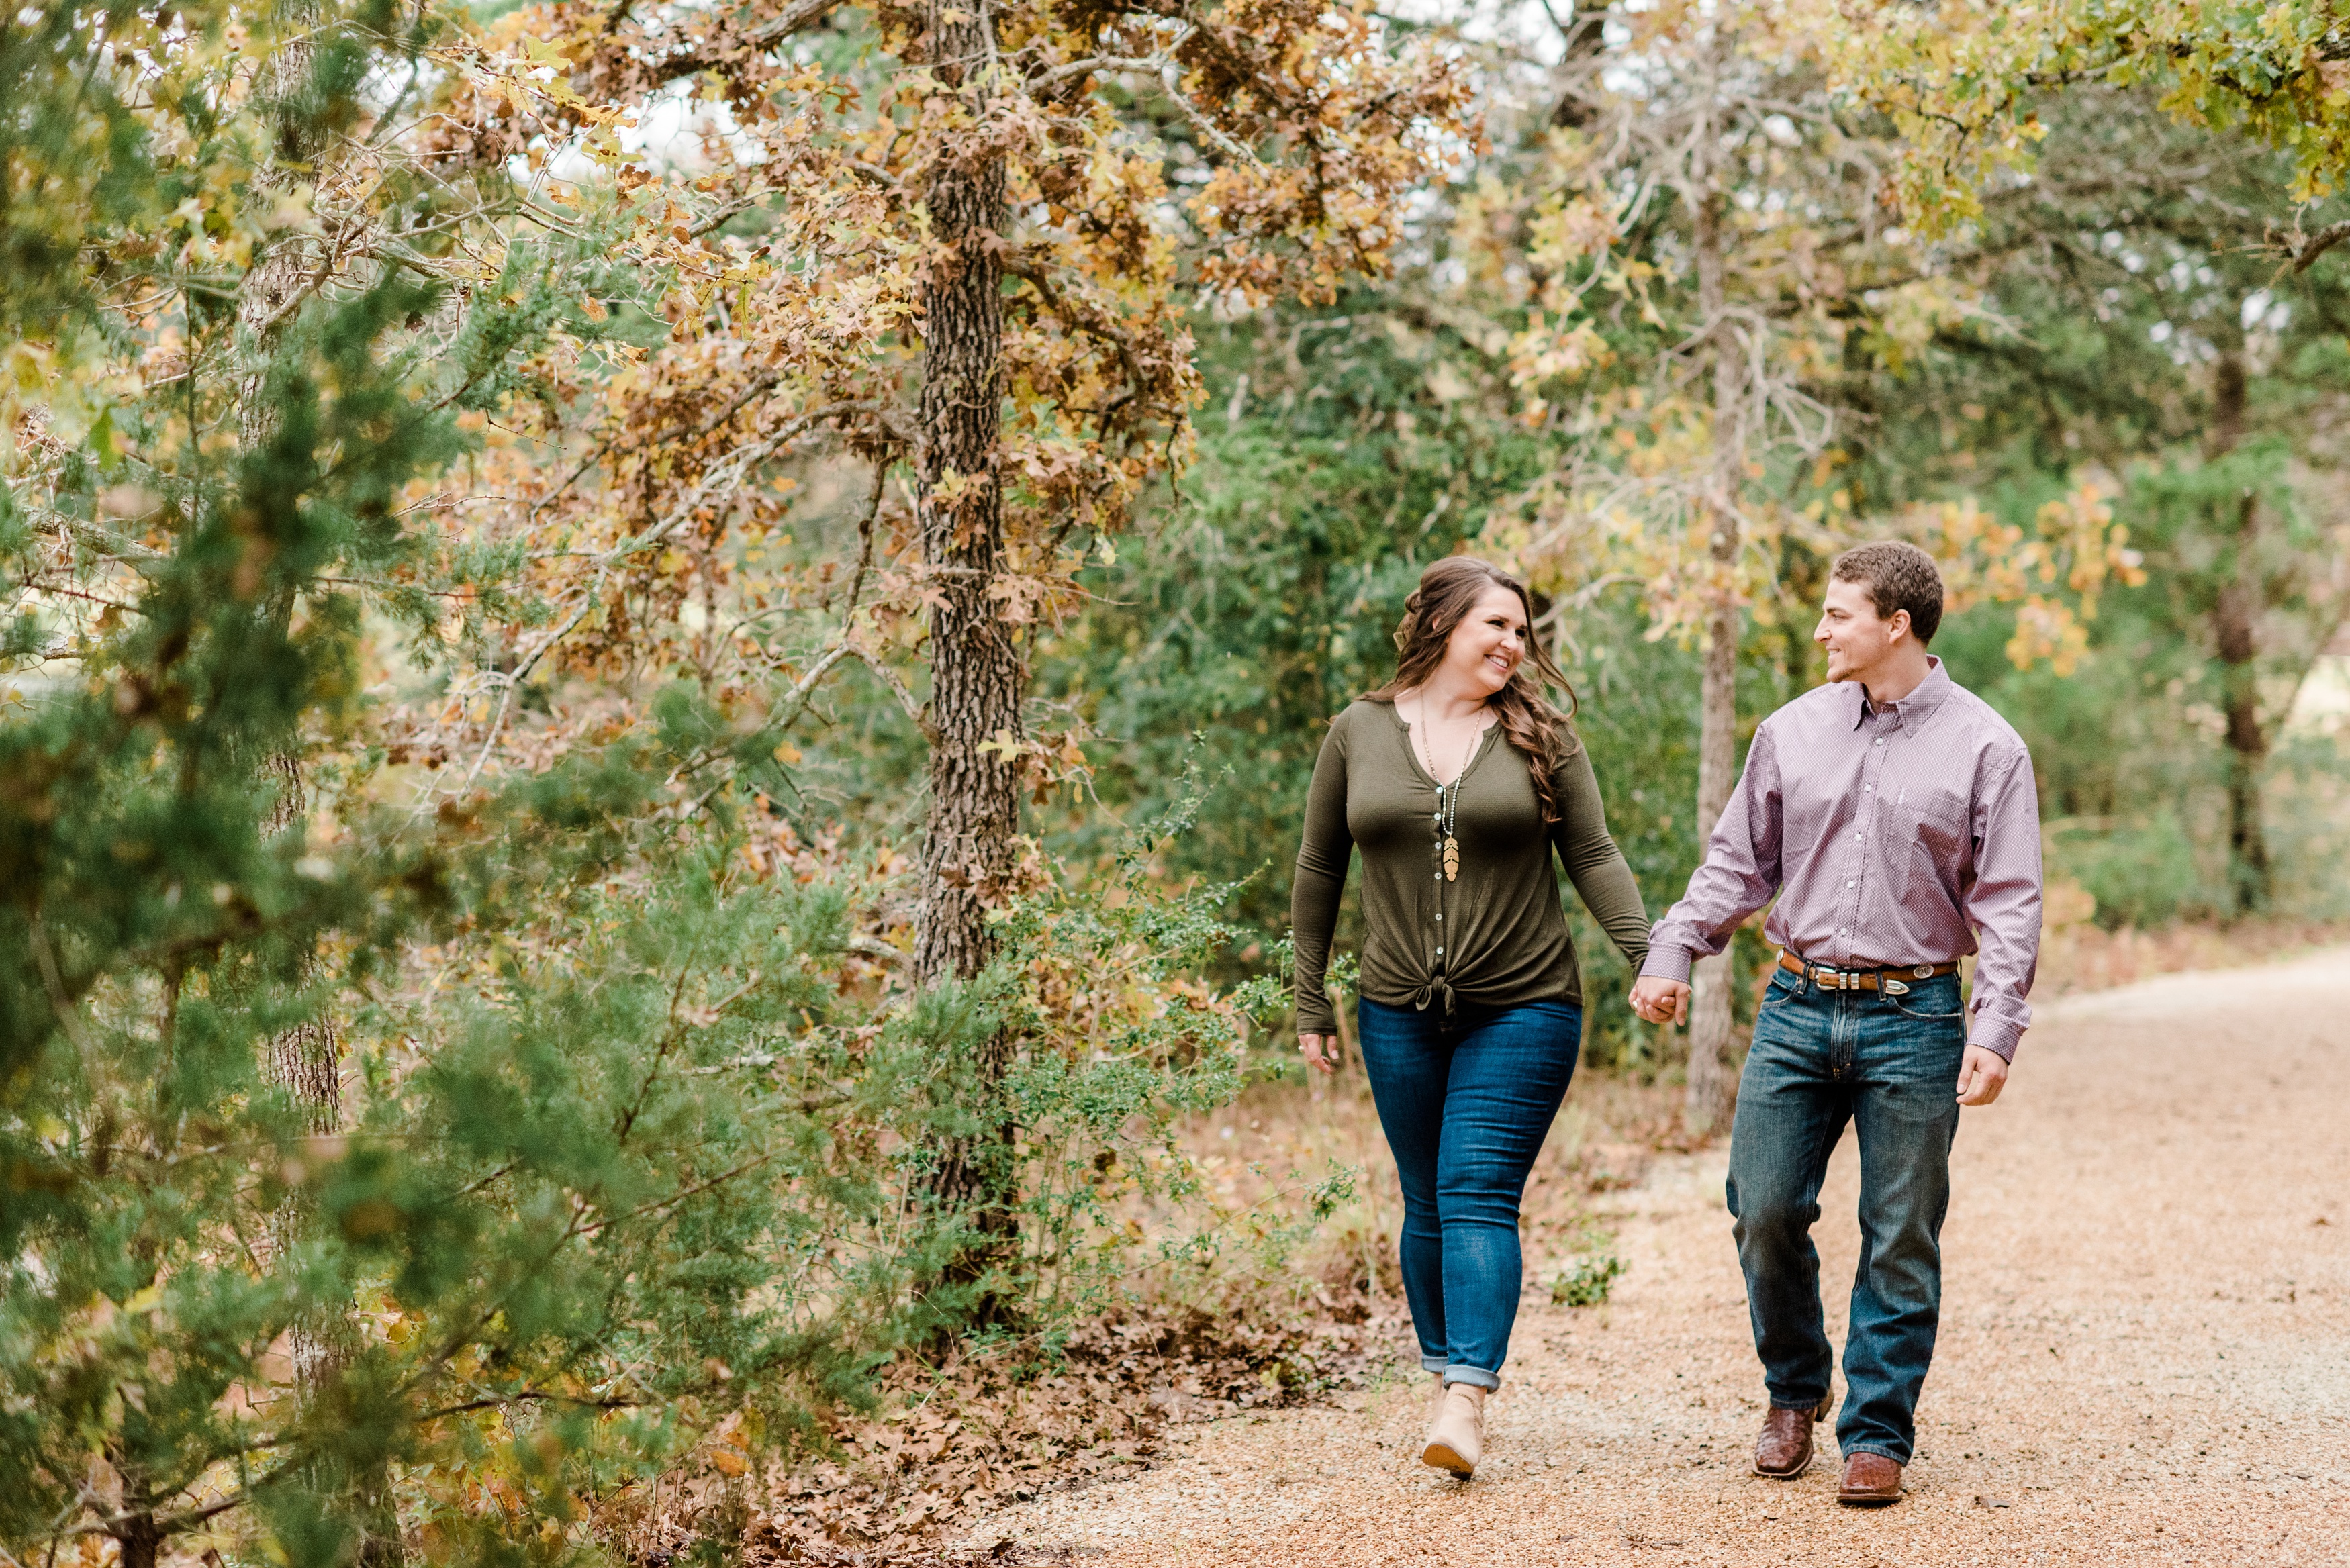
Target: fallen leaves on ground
956,1437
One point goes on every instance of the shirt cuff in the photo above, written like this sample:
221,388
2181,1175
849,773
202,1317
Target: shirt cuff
1665,963
1995,1035
1312,1020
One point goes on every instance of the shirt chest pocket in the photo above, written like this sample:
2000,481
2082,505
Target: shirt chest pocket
1925,839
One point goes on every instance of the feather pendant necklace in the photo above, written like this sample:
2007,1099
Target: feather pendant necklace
1448,796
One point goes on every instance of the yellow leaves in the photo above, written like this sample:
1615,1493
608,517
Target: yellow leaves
1907,318
1955,80
2047,630
27,365
1545,351
2080,538
1571,230
2075,543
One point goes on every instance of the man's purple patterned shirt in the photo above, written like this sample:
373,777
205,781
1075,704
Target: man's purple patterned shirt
1902,833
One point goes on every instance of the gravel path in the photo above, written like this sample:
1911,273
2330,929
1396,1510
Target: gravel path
2144,1353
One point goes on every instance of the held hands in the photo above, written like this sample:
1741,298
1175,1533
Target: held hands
1982,1075
1322,1051
1661,1000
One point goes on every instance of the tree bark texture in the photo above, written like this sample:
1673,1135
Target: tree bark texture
977,669
141,1537
1709,1087
2235,618
306,1060
303,1059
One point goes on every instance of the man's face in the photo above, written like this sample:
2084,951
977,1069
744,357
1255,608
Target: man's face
1856,637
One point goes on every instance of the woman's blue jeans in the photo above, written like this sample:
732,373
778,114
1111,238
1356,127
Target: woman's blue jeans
1890,1066
1465,1110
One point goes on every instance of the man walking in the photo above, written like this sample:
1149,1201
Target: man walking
1893,815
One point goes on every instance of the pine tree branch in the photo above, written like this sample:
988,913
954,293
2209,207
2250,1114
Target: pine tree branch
527,1396
655,1207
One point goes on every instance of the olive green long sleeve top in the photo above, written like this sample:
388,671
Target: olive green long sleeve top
1494,938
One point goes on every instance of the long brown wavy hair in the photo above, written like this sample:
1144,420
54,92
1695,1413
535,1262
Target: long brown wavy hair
1448,591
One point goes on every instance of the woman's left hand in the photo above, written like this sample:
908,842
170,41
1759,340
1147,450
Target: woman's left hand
1319,1051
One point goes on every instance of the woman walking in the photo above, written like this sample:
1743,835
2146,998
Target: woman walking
1458,780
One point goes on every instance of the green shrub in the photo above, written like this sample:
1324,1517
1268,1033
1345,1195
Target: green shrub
1588,1283
2143,873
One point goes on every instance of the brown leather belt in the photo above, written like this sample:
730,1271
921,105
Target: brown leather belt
1828,979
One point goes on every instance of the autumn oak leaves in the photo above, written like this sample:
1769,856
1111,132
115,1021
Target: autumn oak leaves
951,247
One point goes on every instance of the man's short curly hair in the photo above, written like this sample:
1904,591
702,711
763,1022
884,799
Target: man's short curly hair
1899,578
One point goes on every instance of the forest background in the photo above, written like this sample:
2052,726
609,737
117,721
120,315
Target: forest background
661,663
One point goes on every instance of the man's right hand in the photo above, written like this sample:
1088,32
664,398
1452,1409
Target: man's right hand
1661,1000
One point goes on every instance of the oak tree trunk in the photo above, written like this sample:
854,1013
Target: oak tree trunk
140,1537
977,672
2235,615
1707,1094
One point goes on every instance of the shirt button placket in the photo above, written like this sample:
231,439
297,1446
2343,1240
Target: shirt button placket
1872,772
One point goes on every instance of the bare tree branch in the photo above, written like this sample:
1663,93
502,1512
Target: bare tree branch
2318,243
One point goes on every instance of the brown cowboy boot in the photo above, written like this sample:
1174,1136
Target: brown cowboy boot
1784,1449
1871,1481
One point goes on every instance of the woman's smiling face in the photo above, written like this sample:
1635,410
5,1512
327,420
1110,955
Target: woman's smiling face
1486,648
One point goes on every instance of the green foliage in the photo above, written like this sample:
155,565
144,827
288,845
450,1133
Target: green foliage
452,1166
636,1158
2140,334
543,1213
1588,1283
1266,599
1123,1042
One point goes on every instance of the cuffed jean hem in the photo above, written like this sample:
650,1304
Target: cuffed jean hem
1432,1363
1465,1110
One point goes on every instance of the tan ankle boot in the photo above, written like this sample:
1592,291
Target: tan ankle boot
1457,1440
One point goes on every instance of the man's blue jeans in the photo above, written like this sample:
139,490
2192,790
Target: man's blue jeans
1888,1065
1465,1110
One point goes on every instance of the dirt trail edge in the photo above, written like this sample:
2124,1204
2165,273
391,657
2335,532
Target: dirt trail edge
2144,1353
